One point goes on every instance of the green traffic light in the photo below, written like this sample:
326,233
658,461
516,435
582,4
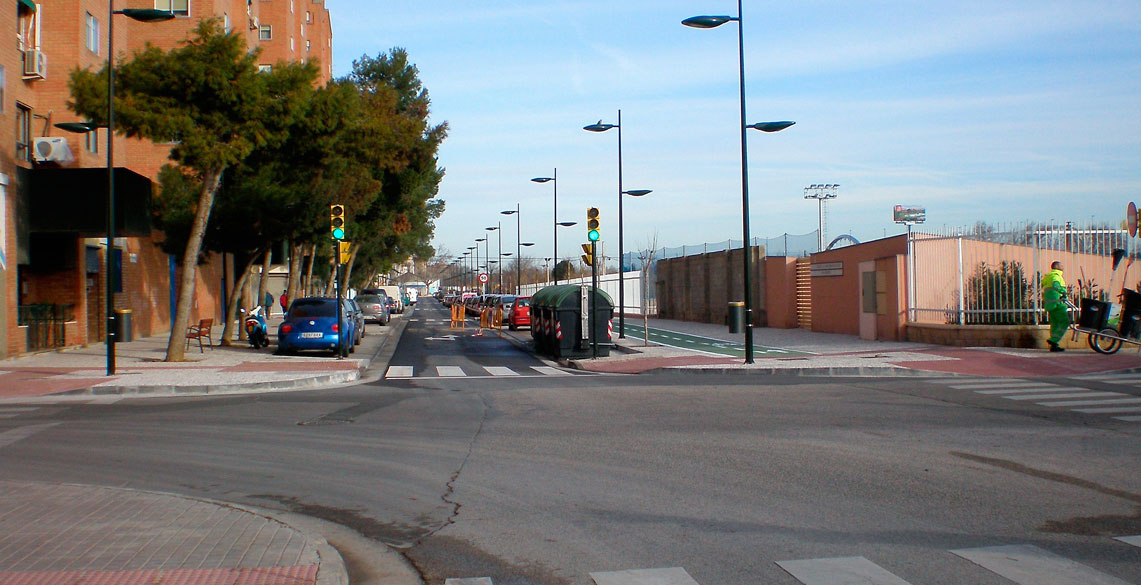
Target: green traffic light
592,235
338,234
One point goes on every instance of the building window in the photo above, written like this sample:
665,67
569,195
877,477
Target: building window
265,68
179,7
226,22
291,45
92,34
265,32
91,141
23,133
308,45
291,6
3,88
308,16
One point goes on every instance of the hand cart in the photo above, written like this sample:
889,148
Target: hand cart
1107,328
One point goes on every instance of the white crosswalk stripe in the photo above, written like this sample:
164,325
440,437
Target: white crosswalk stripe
1029,565
14,411
406,372
1019,563
840,571
1073,398
670,576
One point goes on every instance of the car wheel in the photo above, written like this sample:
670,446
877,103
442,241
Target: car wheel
511,326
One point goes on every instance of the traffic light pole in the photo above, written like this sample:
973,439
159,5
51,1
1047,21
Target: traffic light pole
593,292
340,294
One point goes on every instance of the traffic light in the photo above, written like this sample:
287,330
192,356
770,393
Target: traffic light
593,226
337,221
588,254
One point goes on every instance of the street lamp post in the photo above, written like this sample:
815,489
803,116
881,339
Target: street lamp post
713,22
482,285
141,15
554,180
518,244
500,262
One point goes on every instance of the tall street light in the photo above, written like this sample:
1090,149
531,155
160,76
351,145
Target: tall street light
141,15
473,253
820,193
496,228
713,22
554,180
482,285
518,244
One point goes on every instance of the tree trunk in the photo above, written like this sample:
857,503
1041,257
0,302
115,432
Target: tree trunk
296,257
232,306
263,283
176,346
309,269
330,285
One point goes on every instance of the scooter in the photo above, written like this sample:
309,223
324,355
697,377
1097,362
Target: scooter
257,331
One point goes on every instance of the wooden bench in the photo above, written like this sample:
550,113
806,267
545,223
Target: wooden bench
200,331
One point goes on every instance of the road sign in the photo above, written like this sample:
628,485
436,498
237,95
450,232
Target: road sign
483,278
1131,219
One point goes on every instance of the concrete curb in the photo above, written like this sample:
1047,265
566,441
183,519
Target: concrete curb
197,390
828,371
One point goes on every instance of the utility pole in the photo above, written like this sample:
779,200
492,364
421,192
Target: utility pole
820,193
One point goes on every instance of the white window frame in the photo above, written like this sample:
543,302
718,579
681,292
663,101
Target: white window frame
91,141
93,33
181,7
265,32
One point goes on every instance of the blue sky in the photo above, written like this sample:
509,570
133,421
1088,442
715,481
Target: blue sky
979,111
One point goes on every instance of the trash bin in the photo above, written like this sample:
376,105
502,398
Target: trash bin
1130,325
1094,314
122,330
736,317
557,322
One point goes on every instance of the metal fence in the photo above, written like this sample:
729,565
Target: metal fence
991,275
46,324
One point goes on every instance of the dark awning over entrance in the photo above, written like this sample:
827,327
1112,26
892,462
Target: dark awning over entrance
75,200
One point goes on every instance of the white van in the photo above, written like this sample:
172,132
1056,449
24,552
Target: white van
413,294
393,291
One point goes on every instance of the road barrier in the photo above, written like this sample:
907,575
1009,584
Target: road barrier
458,318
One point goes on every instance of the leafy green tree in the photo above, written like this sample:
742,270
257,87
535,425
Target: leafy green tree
208,97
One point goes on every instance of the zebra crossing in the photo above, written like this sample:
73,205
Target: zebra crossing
1121,406
405,372
1023,564
15,411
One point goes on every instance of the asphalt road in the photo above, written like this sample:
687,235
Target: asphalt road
547,478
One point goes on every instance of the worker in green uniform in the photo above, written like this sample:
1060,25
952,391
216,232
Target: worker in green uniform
1054,294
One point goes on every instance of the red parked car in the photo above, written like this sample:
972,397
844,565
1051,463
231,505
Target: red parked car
519,314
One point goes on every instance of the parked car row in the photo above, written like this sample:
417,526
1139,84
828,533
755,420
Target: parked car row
516,309
311,322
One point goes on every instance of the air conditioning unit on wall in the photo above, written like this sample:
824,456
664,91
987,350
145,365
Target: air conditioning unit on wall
51,149
253,23
35,63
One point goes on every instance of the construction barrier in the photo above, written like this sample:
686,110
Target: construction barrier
458,319
498,322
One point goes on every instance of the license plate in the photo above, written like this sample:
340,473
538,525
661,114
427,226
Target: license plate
312,335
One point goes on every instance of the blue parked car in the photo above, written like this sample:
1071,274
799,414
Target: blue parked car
311,323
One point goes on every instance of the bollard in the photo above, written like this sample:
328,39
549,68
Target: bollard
736,317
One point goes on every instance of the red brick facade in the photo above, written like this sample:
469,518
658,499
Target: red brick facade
73,275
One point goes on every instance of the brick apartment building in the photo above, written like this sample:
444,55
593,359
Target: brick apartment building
53,184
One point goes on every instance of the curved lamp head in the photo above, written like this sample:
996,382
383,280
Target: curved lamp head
480,239
492,228
526,243
146,14
638,192
79,127
599,127
567,223
542,179
509,212
770,126
707,21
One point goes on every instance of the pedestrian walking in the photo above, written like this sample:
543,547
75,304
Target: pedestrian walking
284,300
267,302
1054,295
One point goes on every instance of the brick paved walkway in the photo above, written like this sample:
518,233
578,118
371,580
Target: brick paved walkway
69,534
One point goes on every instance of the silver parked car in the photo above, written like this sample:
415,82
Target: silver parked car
375,307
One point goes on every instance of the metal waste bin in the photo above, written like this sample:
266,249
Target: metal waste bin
559,326
736,317
122,330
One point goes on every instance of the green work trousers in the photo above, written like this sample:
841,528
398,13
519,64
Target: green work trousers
1059,320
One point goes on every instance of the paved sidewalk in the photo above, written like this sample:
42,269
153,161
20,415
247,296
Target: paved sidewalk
63,534
846,355
140,369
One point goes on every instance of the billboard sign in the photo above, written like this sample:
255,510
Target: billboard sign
909,214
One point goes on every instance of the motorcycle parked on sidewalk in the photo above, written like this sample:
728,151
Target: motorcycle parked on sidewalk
257,331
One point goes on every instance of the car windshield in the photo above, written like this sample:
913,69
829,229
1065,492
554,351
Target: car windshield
367,299
523,303
302,309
